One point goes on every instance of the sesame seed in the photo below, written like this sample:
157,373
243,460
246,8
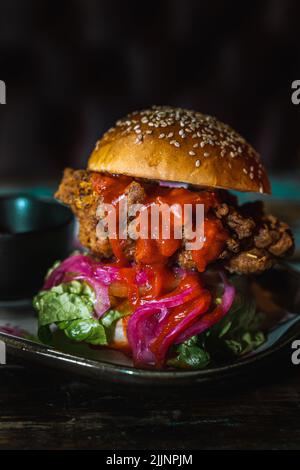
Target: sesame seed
251,176
148,131
191,152
161,136
208,129
245,171
250,255
197,163
139,139
206,154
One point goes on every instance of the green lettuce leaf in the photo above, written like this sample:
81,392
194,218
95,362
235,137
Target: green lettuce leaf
112,316
239,331
89,330
190,354
246,343
236,334
70,306
110,319
68,301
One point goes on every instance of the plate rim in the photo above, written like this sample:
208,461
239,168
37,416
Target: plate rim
125,373
31,348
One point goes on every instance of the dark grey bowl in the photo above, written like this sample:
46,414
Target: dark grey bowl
34,233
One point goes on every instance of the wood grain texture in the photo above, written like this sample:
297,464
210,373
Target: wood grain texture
43,409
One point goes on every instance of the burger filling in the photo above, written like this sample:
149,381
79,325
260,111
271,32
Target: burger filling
242,238
152,297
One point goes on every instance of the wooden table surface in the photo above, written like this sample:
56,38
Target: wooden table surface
46,409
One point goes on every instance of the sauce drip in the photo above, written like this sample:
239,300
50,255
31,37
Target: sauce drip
155,253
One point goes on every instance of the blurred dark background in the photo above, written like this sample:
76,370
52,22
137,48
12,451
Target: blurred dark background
73,67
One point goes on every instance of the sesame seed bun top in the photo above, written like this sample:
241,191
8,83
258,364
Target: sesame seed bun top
179,145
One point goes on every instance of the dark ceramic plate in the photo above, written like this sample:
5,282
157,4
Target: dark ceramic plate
282,283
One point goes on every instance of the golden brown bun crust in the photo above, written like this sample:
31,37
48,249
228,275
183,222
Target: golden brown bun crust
173,144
